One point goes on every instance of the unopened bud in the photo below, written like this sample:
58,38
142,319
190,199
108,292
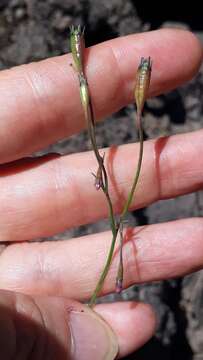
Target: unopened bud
119,285
77,45
142,82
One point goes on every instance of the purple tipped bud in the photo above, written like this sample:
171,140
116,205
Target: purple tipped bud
98,184
119,286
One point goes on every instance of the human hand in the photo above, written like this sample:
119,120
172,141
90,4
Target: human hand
39,197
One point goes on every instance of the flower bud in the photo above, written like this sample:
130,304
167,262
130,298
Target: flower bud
77,45
142,82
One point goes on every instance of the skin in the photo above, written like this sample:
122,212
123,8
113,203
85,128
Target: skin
40,104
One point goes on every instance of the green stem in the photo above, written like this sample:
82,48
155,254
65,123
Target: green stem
135,181
111,220
123,214
91,129
77,43
105,271
119,278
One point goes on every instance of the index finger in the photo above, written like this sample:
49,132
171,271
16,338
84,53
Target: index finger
40,102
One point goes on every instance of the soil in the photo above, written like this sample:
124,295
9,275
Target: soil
31,30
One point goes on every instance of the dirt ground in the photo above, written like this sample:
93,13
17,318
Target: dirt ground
31,30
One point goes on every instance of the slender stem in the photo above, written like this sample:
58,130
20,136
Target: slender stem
125,209
123,214
119,278
135,181
89,116
105,271
91,130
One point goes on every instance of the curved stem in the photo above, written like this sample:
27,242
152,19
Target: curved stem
135,181
119,278
91,129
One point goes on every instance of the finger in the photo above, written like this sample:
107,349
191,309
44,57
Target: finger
52,194
40,102
52,327
72,268
133,323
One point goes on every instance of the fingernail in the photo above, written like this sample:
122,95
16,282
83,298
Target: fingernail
92,338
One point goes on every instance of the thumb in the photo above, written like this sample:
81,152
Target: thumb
93,338
52,328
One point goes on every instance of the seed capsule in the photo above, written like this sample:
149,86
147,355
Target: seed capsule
77,45
142,82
